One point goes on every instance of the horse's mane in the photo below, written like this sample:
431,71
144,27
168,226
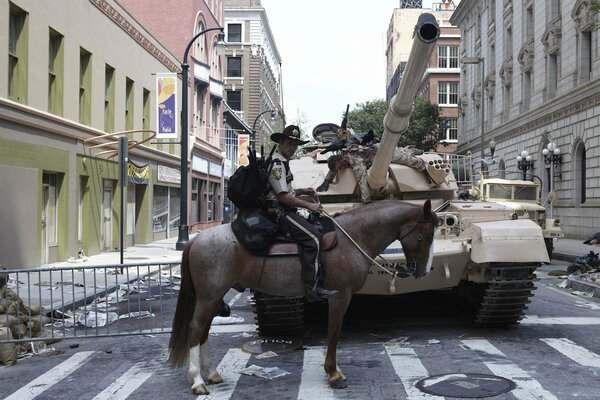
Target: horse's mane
373,206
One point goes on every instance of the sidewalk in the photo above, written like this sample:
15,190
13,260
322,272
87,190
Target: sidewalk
569,250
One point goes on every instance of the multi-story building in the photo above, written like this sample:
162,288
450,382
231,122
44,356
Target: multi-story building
175,24
541,85
76,71
441,80
253,68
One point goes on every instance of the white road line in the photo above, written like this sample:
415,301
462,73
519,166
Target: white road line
235,298
52,377
409,369
237,328
527,387
232,362
535,320
580,355
125,384
313,384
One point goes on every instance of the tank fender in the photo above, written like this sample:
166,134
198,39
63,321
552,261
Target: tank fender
519,240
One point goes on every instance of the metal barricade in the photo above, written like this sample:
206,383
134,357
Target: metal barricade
46,304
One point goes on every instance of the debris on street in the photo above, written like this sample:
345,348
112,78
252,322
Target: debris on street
264,372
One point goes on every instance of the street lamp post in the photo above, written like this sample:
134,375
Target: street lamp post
524,163
481,62
254,127
183,237
552,156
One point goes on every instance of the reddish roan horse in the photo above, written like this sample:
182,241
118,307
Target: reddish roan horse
214,260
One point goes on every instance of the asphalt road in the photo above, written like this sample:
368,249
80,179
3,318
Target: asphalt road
387,345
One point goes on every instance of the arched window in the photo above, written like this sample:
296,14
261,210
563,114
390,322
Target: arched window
502,169
199,46
579,167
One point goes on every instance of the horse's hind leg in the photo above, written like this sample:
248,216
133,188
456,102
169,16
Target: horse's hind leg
201,365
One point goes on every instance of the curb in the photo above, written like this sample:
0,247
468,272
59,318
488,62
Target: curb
564,256
584,286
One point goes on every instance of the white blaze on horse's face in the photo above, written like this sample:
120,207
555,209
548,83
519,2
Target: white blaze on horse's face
429,259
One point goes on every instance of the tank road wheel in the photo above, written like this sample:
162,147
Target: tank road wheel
278,316
507,294
549,246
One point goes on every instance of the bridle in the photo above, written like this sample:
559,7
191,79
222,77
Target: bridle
413,263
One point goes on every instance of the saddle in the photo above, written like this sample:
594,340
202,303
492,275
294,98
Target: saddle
284,245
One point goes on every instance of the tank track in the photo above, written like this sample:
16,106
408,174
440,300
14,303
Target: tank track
278,316
507,294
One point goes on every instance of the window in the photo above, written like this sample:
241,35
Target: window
234,67
585,56
234,33
85,86
448,57
200,105
215,121
528,31
17,54
50,190
526,90
451,129
83,180
448,93
109,98
552,74
234,99
146,111
55,73
580,173
161,208
129,104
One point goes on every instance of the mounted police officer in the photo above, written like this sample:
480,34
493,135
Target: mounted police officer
282,199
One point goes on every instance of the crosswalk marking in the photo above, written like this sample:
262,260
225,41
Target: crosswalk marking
50,378
535,320
229,367
527,387
313,384
125,384
234,328
579,354
409,369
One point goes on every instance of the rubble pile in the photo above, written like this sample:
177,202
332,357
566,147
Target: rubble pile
588,263
17,321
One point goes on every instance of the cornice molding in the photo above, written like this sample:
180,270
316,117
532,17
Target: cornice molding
135,34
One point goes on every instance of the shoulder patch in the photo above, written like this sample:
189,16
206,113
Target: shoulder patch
276,171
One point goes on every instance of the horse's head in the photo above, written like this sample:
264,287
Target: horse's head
417,241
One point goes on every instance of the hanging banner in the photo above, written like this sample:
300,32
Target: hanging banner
166,106
243,142
138,173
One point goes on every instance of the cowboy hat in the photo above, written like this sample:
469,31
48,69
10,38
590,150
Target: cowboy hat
291,132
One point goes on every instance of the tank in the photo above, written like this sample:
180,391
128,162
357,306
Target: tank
483,250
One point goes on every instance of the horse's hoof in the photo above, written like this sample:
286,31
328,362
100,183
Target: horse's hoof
338,383
200,389
215,378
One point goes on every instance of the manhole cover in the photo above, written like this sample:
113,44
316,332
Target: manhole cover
468,386
277,345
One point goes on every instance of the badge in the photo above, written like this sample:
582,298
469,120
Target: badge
276,173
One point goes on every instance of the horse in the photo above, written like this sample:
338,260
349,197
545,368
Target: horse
214,261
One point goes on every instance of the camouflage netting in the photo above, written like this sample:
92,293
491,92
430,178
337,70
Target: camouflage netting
17,321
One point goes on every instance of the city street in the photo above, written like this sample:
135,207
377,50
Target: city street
387,345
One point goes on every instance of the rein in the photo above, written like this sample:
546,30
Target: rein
393,273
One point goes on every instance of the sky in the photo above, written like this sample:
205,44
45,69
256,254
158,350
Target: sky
333,54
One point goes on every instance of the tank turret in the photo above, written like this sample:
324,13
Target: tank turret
397,117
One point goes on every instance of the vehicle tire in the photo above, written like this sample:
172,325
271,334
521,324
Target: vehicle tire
549,247
279,316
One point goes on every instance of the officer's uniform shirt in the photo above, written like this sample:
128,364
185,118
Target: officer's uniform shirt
280,180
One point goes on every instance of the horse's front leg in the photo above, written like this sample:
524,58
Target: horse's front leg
338,305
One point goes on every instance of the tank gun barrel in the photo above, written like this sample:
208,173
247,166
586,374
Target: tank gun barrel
397,117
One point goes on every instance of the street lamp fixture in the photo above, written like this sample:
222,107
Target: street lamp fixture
481,62
492,145
524,163
273,116
553,158
183,237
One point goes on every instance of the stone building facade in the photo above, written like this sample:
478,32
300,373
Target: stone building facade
541,85
253,68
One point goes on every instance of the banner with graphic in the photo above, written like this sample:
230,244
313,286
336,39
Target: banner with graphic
243,142
166,106
138,173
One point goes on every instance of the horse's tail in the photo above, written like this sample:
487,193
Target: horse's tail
179,343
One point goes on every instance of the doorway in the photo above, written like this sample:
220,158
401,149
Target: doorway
107,225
